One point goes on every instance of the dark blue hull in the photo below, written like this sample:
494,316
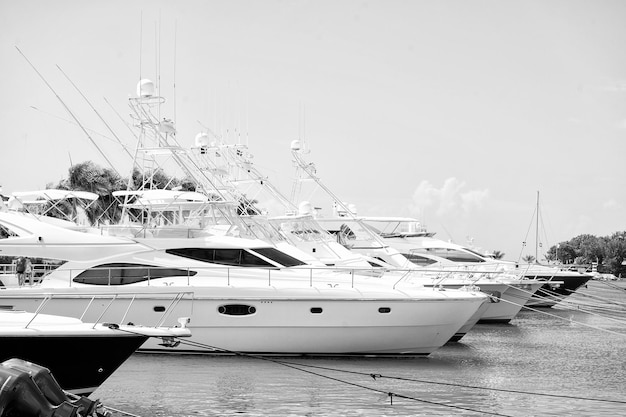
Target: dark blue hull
79,364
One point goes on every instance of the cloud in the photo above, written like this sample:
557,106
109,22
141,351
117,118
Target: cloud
612,205
450,199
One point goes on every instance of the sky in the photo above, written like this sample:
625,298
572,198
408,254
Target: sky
456,112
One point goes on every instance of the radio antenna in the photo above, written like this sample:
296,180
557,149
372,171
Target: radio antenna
68,110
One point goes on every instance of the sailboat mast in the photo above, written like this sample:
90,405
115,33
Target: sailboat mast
537,232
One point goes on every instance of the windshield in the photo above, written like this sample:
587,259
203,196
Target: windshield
454,255
232,257
279,257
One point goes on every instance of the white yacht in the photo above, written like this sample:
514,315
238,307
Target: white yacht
419,245
248,296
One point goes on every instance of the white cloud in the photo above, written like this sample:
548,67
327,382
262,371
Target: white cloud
450,199
612,205
474,199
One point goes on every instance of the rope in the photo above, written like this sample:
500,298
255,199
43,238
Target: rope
99,404
391,395
297,367
611,285
525,307
375,376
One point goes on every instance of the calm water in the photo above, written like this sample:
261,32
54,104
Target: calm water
562,352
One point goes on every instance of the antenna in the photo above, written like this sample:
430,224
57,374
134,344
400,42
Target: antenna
175,33
537,232
140,42
68,110
95,111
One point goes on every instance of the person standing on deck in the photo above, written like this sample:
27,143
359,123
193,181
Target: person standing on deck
20,269
28,272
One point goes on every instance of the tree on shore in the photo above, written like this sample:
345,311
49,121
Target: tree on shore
496,254
608,252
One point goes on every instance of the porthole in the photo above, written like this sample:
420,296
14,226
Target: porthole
236,310
316,310
159,309
384,310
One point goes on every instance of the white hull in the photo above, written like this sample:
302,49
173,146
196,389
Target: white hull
511,302
248,303
348,324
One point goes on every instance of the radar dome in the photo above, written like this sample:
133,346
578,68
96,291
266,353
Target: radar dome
305,208
202,140
145,88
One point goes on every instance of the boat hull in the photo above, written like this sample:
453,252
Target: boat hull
551,293
303,325
511,303
97,357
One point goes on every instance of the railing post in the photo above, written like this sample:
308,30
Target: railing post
310,277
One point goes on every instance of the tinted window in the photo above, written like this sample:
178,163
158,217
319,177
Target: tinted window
419,260
232,257
126,273
455,255
279,257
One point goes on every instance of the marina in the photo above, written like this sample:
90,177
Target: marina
164,252
548,362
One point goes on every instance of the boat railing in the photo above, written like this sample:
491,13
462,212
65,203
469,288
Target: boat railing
46,298
313,276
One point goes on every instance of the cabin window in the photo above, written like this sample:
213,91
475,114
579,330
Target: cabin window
455,255
127,273
236,310
419,260
384,310
237,257
279,257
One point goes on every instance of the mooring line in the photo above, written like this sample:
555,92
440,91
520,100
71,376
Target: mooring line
525,307
376,375
297,367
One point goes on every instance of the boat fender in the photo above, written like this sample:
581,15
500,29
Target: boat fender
20,396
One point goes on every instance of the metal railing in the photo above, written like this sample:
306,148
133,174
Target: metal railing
313,276
176,298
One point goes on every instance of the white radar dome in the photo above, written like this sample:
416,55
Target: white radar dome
202,140
295,145
305,208
145,88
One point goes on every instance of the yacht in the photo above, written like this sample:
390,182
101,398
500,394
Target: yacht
247,295
80,355
422,248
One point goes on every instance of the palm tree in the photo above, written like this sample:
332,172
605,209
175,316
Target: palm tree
496,254
87,176
529,259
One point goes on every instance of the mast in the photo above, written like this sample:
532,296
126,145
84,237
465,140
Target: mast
537,231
